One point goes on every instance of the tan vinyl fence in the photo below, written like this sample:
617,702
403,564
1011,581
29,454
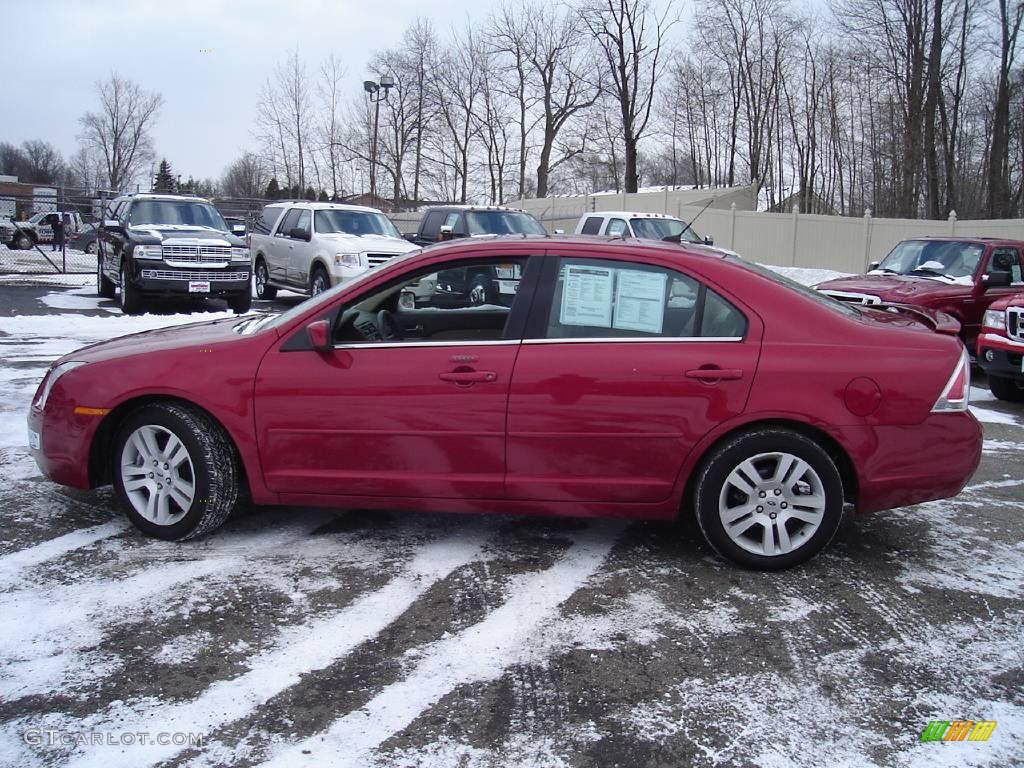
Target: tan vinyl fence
840,243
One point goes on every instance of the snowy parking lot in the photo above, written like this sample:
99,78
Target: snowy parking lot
296,637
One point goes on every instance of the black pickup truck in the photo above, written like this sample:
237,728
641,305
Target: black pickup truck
495,285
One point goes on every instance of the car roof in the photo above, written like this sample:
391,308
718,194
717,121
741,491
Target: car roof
321,206
169,197
631,215
470,207
978,239
495,242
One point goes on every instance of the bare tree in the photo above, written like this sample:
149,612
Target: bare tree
1010,15
631,36
119,132
283,119
43,162
246,177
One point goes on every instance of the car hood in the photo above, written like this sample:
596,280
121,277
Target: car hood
1016,300
376,243
174,232
193,335
896,288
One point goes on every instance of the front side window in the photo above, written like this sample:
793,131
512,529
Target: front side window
1005,260
603,299
289,222
305,217
176,212
469,302
337,220
616,228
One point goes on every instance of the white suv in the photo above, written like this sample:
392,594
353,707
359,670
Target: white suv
648,226
309,247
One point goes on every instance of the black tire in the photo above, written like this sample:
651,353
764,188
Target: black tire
1007,389
22,242
212,459
714,492
105,287
131,302
318,281
479,290
241,303
260,276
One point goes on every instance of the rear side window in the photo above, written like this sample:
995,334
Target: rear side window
591,226
264,224
432,224
604,299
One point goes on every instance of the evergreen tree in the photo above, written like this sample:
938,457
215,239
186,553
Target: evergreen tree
273,191
323,196
164,181
310,194
295,193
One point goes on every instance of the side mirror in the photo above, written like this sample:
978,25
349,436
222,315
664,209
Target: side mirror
111,224
709,240
319,333
559,231
996,279
873,265
298,233
444,234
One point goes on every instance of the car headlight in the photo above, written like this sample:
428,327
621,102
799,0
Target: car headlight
994,318
239,254
347,260
51,378
148,252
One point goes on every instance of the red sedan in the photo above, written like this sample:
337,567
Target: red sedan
619,378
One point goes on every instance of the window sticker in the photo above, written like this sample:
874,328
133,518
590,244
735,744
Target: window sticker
586,296
640,301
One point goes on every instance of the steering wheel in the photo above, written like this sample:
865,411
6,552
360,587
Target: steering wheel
388,326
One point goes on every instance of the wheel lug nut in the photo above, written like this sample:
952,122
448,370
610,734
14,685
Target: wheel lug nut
778,492
151,474
772,515
159,487
167,466
762,494
760,509
784,505
155,462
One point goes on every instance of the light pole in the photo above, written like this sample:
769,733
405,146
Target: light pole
376,93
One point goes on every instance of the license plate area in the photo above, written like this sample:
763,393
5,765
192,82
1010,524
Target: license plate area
198,286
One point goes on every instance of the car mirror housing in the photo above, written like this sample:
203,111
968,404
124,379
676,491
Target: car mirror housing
709,240
997,279
299,233
319,333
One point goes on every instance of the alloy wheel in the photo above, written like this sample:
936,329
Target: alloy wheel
157,474
772,503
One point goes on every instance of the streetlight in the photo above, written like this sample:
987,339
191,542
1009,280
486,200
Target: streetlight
376,93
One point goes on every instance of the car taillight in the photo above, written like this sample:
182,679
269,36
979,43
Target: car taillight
956,395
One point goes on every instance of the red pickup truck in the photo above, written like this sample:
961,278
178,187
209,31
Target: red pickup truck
959,276
1001,347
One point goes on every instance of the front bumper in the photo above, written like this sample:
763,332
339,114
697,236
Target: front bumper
1006,356
158,279
59,441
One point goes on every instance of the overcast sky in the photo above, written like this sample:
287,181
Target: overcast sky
49,73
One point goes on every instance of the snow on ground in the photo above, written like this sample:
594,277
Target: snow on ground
46,261
320,637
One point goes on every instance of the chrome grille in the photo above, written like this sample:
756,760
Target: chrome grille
213,277
1015,323
223,251
376,259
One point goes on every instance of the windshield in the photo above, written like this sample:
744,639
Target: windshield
659,229
354,223
810,293
502,223
179,212
933,257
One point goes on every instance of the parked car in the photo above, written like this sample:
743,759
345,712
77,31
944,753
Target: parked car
491,285
310,247
648,226
160,246
593,394
959,276
18,235
85,239
40,224
1001,347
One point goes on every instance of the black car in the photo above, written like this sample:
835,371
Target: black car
154,246
85,239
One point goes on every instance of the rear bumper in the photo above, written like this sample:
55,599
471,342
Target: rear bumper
900,466
1005,356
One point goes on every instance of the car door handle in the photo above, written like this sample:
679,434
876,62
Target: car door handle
468,377
715,374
